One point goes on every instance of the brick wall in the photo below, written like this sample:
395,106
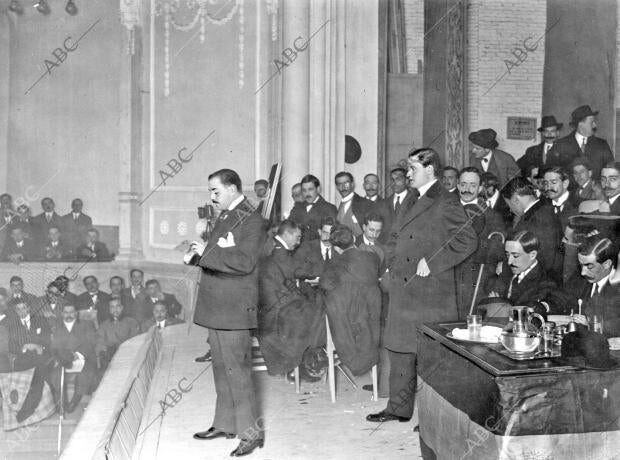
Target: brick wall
494,28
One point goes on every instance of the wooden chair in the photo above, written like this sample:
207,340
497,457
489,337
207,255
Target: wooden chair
331,369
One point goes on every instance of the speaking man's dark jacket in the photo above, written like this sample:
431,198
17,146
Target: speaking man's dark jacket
228,293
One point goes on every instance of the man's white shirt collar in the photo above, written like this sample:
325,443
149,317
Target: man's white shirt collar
530,206
372,198
366,242
494,198
282,242
601,283
560,201
347,198
580,139
70,325
614,198
424,188
524,273
235,202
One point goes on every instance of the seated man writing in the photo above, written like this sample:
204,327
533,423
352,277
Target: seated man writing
527,284
159,318
73,345
114,331
350,284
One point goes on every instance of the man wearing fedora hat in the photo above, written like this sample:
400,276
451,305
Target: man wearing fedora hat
538,155
488,158
582,142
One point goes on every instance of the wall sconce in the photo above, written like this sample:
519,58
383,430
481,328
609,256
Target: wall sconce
16,7
71,8
42,7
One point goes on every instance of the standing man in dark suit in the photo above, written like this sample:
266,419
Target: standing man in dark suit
353,208
433,237
555,185
394,205
485,156
76,224
309,214
538,155
227,306
536,216
583,143
48,218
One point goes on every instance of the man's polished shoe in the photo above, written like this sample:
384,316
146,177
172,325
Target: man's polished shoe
204,358
247,447
213,433
384,416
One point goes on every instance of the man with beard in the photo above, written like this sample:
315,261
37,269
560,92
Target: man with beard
610,181
371,187
588,188
583,143
433,237
353,208
309,214
490,252
538,155
555,186
288,319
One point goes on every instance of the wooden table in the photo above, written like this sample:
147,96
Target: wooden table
475,403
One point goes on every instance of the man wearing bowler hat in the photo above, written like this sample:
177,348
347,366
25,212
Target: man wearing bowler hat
488,158
538,155
582,142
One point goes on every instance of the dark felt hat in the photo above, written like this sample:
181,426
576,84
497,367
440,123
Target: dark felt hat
485,138
580,113
586,349
549,121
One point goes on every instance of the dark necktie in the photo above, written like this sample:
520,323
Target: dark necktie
583,145
512,284
397,205
557,209
326,254
595,290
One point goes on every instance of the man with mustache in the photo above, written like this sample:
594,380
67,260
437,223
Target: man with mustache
526,283
488,158
371,187
610,181
538,155
490,251
555,186
353,208
309,214
582,143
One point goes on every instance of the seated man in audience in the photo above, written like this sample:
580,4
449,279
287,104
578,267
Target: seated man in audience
352,298
17,294
490,229
159,318
76,224
134,295
368,240
536,216
289,322
117,285
313,210
54,249
17,248
94,300
114,331
153,295
588,189
49,306
41,223
63,284
594,288
527,283
311,256
5,359
23,221
93,249
73,345
29,338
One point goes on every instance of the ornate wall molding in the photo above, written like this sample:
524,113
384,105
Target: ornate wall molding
455,71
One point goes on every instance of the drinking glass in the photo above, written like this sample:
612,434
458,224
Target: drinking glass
474,326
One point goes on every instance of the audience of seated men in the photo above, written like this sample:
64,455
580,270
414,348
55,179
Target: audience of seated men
490,229
17,293
114,331
353,301
595,289
49,305
153,295
54,249
17,248
76,224
73,345
92,249
313,210
526,282
289,321
93,302
159,318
